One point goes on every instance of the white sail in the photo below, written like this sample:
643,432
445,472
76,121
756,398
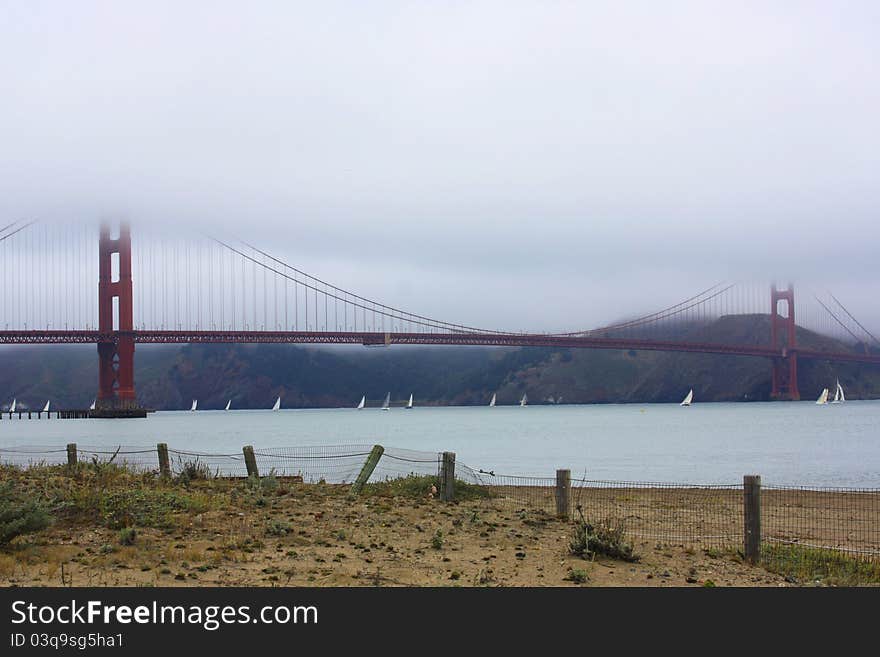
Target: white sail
12,408
362,402
46,407
386,405
228,404
92,407
277,404
409,403
838,394
492,403
823,398
688,399
195,405
524,401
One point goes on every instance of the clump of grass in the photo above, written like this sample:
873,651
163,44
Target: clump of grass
437,540
127,536
604,539
269,483
278,528
801,564
19,517
144,507
193,470
578,576
419,486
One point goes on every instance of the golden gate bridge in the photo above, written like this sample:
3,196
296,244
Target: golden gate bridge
158,289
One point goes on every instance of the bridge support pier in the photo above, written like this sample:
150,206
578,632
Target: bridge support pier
783,333
116,394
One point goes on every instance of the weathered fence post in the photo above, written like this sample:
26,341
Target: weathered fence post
447,477
563,493
250,461
752,518
369,465
71,455
164,463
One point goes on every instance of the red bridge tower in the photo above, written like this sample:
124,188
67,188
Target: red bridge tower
785,384
116,396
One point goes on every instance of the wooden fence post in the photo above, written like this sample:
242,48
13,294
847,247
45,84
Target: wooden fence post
563,493
369,465
752,518
250,461
71,455
447,477
164,463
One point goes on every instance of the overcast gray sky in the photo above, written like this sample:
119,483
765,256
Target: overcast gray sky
477,161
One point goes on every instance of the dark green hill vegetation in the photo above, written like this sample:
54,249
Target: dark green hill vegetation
169,377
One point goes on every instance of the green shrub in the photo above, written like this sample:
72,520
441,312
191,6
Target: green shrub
419,486
437,540
605,539
145,507
578,576
18,517
278,528
127,536
193,471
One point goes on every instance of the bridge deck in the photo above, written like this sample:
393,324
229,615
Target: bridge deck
461,339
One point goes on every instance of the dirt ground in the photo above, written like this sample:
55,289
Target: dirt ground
314,535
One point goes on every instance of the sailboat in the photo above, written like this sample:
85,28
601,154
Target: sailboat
277,405
823,398
92,407
409,403
362,402
386,405
688,400
12,408
195,404
524,401
839,397
228,404
492,403
46,407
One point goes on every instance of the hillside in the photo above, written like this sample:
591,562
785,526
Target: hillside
168,377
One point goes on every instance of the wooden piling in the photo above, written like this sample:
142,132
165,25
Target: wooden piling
250,461
752,518
447,477
71,455
367,470
563,493
164,462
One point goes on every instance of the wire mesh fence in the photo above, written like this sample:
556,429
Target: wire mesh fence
137,458
822,521
705,516
842,520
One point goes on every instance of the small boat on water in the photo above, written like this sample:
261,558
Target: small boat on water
823,398
839,397
195,405
689,398
277,405
92,407
228,404
12,408
386,405
46,407
362,402
524,401
409,403
492,403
